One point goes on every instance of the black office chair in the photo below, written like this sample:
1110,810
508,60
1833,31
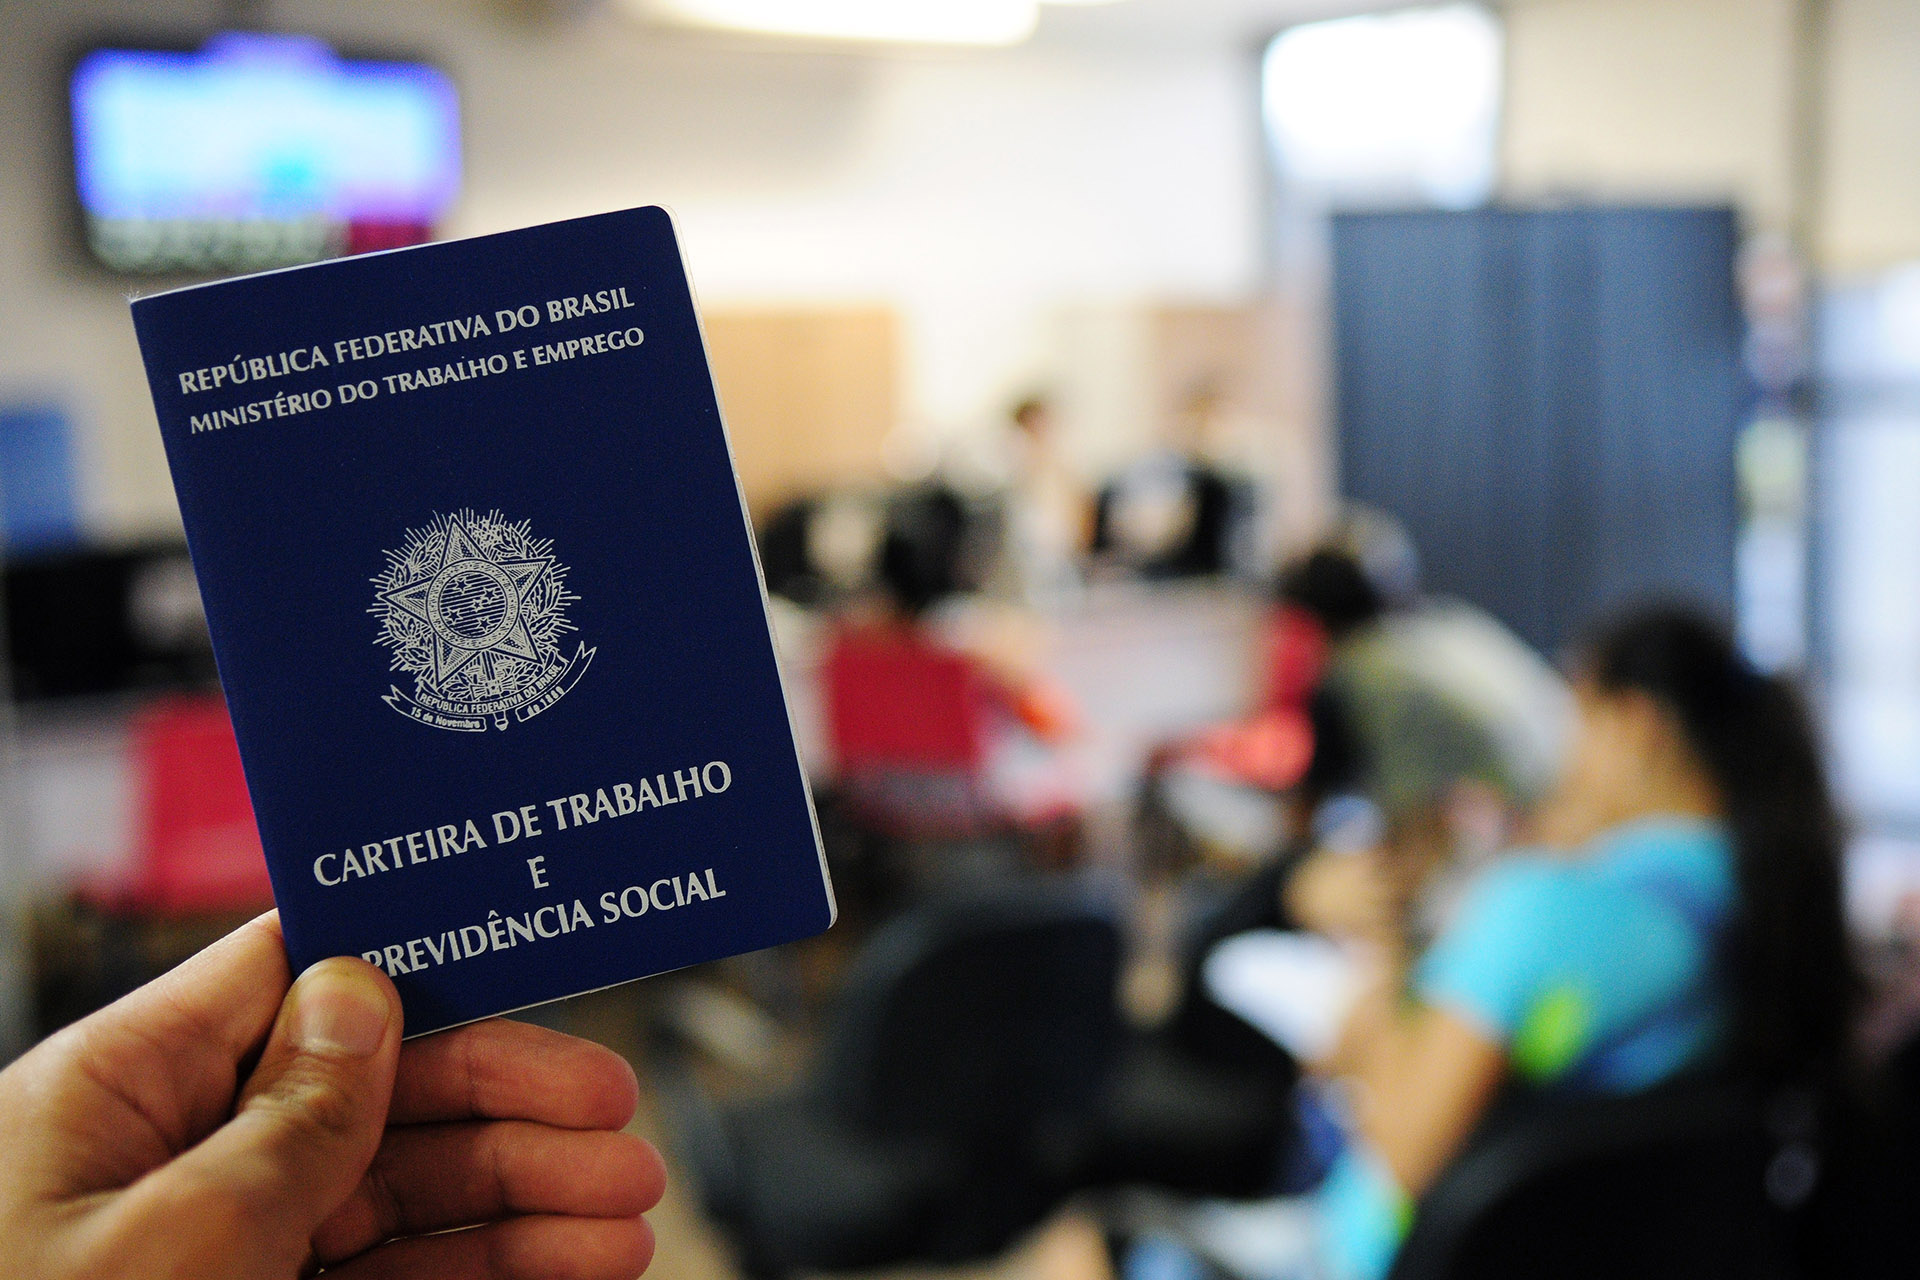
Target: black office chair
1204,1104
946,1110
1860,1224
1690,1181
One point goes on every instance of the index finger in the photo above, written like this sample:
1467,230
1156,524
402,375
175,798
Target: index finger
500,1070
224,997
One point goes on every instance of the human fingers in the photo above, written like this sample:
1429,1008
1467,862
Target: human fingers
434,1177
530,1248
501,1070
308,1124
227,995
142,1080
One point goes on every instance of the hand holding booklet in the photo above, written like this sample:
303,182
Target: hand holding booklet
487,613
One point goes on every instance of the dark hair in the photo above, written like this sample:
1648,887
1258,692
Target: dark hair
920,557
1333,587
1786,956
911,574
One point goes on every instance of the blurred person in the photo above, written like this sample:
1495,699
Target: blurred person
225,1121
971,738
1681,912
1184,510
1462,729
1456,725
1048,510
1278,800
1244,789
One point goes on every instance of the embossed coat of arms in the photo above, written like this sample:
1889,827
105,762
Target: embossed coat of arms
474,609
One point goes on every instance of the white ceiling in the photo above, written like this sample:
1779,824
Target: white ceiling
1188,23
1121,24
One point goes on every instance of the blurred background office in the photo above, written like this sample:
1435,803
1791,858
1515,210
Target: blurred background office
1189,443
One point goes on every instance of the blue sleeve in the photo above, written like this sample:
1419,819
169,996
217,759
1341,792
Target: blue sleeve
1556,965
1362,1215
1491,965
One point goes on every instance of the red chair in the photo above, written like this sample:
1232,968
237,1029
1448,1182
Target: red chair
196,846
907,719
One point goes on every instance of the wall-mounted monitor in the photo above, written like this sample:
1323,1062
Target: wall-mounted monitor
257,151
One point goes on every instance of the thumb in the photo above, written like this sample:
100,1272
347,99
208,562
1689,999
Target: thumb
307,1125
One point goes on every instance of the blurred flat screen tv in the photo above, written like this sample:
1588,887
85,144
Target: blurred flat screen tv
257,151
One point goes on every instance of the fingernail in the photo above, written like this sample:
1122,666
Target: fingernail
339,1010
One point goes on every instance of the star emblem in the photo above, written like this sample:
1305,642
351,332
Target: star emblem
475,606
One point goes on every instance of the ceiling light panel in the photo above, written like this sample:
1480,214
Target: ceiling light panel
952,22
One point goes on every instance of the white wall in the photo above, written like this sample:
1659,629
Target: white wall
1693,99
1871,201
975,193
1015,207
978,193
1662,98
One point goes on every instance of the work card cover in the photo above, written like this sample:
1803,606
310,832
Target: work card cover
487,613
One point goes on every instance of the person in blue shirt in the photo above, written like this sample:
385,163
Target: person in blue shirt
1682,911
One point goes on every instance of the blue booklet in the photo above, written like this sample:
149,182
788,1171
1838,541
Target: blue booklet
488,614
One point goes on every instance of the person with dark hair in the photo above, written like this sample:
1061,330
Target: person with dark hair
937,735
1683,913
915,572
1183,510
1451,724
1787,961
1332,587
